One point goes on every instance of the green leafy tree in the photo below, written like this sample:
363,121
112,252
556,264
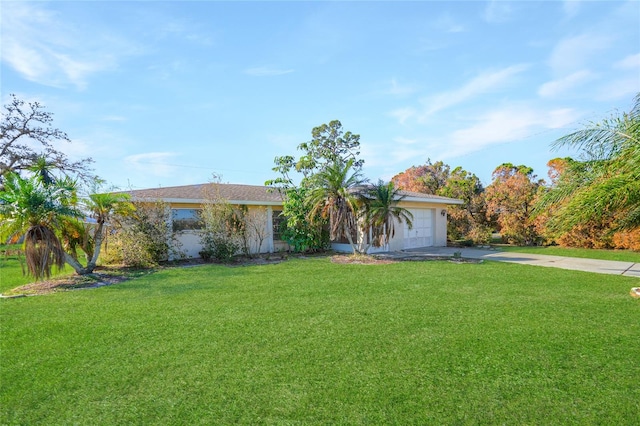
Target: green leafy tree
301,233
330,145
380,212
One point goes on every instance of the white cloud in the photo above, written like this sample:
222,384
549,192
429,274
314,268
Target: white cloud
556,87
505,125
497,11
398,89
629,63
571,7
267,71
447,24
403,114
40,46
404,150
483,83
153,163
188,31
116,118
621,88
574,53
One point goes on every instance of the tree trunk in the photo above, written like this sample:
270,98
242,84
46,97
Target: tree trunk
97,245
80,270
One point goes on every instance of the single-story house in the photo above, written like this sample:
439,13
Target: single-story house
429,216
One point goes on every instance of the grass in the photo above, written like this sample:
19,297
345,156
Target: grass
620,255
312,342
12,267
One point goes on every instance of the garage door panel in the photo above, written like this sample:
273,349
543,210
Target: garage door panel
421,234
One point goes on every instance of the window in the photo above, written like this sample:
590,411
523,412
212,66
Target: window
279,223
186,219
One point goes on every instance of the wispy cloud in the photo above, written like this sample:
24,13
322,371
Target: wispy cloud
573,53
504,125
188,31
398,89
629,63
403,114
447,24
114,118
404,149
153,163
621,88
571,7
497,11
562,85
267,71
481,84
44,50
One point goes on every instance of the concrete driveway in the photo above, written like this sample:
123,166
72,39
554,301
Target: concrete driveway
629,269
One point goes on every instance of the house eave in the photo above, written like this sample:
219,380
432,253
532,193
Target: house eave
202,201
446,201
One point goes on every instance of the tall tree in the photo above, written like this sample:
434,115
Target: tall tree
329,143
468,220
329,147
380,211
511,197
27,138
429,178
333,196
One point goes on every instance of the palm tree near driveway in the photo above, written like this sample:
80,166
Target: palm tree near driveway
334,196
380,212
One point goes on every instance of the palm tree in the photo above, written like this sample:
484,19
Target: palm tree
381,211
34,208
334,196
607,182
101,206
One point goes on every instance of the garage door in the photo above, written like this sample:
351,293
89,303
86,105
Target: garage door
421,234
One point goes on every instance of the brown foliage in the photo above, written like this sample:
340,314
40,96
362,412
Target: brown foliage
510,199
590,235
410,180
627,240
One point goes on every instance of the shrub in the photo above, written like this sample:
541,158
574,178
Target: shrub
627,240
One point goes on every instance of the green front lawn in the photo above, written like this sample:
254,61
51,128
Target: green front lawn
621,255
312,342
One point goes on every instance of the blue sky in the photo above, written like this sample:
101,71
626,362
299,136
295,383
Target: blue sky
167,93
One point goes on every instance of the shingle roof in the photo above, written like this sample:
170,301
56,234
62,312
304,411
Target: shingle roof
233,193
247,194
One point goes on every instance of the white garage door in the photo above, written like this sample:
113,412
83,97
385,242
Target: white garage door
421,234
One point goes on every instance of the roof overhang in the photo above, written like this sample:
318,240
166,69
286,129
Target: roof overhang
446,201
202,201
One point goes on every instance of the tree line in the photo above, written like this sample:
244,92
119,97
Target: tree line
589,201
592,201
